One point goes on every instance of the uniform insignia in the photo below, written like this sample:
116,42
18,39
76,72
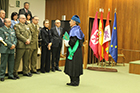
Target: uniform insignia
12,32
27,28
6,37
5,32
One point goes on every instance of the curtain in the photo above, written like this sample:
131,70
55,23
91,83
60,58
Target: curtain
4,4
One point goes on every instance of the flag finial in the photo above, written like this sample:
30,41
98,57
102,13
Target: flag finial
108,9
115,10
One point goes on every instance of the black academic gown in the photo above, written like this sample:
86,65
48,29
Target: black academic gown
74,67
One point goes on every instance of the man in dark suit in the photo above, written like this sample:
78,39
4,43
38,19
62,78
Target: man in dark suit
57,34
2,16
25,9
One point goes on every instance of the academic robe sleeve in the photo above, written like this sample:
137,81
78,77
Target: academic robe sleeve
73,41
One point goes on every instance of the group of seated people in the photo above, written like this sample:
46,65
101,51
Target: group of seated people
19,40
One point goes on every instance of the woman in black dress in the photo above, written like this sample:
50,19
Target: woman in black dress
46,47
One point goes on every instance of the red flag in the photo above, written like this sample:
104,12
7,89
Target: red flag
107,38
94,37
100,48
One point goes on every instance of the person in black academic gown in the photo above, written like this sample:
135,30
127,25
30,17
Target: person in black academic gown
74,60
46,47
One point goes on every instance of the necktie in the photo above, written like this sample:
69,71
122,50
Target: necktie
36,27
59,31
26,11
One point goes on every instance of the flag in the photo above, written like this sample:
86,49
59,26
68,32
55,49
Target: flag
107,38
100,47
94,37
113,50
66,36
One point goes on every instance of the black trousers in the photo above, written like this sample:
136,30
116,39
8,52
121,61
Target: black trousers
56,56
45,59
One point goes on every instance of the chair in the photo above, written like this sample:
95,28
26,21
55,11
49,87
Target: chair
120,54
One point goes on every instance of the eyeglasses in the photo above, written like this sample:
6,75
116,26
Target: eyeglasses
36,19
22,18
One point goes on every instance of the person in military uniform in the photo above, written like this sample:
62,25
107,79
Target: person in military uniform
7,52
23,46
34,28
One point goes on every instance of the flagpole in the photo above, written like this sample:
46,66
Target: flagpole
99,61
108,44
102,62
93,60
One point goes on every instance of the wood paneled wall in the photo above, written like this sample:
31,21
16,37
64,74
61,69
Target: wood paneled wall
128,23
94,6
128,19
56,8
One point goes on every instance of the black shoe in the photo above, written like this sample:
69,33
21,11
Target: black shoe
47,71
42,71
58,69
36,72
53,70
69,84
2,79
14,78
75,83
28,75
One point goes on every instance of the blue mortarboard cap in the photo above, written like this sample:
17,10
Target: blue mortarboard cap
76,18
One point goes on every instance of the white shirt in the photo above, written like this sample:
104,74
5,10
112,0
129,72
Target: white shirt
2,19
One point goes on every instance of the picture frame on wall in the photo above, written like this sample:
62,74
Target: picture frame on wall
17,3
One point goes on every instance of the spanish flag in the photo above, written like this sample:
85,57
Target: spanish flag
100,47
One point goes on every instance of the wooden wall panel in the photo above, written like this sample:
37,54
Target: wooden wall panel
128,27
128,23
56,8
94,6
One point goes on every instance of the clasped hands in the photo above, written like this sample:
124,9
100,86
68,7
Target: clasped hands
27,42
13,46
49,46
